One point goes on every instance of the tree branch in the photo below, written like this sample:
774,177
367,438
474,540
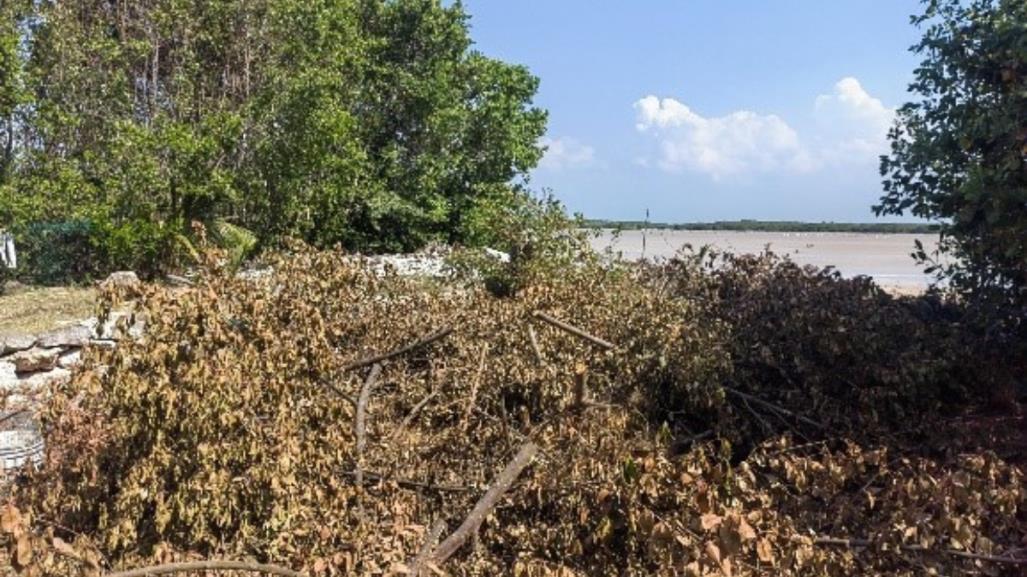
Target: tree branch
360,363
773,407
194,566
575,331
500,485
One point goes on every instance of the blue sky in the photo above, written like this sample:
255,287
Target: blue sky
710,109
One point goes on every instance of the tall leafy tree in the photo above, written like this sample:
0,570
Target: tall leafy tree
370,123
13,93
959,151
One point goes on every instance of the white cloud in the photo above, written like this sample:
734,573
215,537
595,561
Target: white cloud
566,153
742,141
851,126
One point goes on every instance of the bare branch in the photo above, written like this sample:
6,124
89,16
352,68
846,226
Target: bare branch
361,420
773,407
500,485
575,331
428,339
413,413
195,566
474,387
417,566
535,347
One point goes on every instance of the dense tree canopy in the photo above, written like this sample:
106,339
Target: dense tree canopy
370,123
959,152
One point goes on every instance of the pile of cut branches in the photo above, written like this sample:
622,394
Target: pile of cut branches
326,420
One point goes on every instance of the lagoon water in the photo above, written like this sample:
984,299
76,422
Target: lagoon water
885,257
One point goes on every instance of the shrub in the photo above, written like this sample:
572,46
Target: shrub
54,253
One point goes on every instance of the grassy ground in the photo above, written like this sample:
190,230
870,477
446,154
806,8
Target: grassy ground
34,310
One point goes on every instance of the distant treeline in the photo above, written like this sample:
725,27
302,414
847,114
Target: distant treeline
770,226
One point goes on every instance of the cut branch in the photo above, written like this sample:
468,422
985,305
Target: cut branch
474,388
417,566
413,413
361,420
535,347
773,407
195,566
575,331
439,334
500,485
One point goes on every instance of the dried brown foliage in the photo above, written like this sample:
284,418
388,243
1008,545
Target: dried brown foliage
228,431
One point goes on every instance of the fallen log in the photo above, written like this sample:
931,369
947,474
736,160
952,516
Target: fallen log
500,485
428,339
575,331
196,566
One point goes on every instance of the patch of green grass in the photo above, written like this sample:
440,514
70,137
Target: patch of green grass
35,310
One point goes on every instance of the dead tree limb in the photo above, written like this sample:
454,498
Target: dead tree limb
196,566
417,566
500,485
474,387
773,407
428,339
361,420
535,347
863,543
575,331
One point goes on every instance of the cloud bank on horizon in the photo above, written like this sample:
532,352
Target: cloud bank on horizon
850,128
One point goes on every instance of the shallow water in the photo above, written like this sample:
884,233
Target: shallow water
885,257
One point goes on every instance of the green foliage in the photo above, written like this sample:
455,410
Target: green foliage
534,231
958,150
366,123
55,253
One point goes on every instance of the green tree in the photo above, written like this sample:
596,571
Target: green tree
367,123
13,93
959,151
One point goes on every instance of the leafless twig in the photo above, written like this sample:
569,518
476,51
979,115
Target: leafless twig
773,407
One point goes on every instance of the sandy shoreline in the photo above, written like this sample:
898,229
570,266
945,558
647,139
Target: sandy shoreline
884,257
